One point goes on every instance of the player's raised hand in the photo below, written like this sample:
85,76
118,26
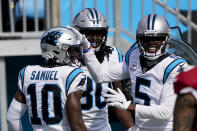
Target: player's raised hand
81,37
116,99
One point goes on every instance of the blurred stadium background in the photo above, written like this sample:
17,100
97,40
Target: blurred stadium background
23,21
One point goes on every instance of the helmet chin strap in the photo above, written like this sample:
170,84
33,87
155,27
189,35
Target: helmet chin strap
47,55
76,64
66,60
152,57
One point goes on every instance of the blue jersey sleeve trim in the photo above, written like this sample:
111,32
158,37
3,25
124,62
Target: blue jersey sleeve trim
71,77
129,52
120,55
171,66
22,76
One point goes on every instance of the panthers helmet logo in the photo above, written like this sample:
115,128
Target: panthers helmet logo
52,38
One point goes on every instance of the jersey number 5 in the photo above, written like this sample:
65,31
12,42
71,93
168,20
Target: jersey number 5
142,95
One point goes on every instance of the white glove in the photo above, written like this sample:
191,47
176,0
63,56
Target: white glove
82,38
129,129
116,99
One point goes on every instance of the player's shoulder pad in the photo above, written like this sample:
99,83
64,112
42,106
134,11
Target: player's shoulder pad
119,52
73,74
178,61
22,75
131,49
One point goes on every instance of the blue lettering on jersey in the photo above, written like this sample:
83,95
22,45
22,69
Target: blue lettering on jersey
44,75
55,75
33,75
37,75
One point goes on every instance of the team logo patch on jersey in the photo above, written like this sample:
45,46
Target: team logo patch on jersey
180,68
133,67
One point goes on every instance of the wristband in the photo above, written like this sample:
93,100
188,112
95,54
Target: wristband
86,50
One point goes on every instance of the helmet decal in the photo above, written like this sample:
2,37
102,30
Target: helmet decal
94,15
60,45
90,18
97,18
148,23
52,37
91,12
151,22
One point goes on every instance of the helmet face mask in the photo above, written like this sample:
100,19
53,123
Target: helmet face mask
75,54
93,25
95,37
152,35
56,44
152,47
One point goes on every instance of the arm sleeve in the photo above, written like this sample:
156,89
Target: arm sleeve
164,110
105,72
14,114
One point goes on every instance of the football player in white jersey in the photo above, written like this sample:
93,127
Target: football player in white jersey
51,92
94,26
151,70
